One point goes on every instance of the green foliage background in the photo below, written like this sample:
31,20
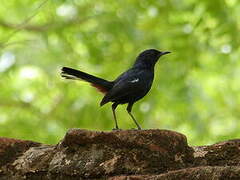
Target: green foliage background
195,91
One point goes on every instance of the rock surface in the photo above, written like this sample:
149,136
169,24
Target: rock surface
123,155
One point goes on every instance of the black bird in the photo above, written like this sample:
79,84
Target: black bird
129,87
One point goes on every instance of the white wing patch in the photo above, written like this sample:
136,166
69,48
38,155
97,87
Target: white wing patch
134,80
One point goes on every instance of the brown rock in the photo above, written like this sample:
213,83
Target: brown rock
197,173
12,148
130,154
123,152
220,154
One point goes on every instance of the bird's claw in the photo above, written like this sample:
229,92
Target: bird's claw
116,129
136,129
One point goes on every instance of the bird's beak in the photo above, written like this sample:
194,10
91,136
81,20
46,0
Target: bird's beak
165,52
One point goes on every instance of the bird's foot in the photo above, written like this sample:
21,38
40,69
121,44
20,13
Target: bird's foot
136,129
116,129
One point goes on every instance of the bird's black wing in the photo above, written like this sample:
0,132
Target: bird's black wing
131,85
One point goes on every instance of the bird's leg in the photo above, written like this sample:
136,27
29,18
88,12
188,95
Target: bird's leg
114,106
129,109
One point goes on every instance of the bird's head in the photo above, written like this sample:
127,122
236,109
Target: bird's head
149,57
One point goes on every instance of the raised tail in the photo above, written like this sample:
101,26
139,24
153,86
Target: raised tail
101,84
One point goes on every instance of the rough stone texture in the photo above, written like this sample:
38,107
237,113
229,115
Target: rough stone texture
124,155
197,173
